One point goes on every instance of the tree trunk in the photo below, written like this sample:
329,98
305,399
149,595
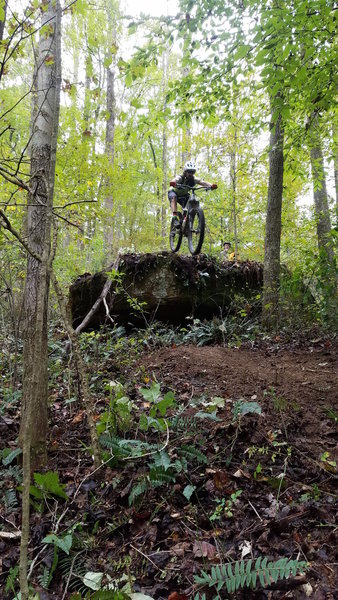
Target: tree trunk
335,163
233,179
45,119
164,153
273,225
110,127
3,19
320,195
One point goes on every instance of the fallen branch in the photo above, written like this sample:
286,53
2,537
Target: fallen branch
100,299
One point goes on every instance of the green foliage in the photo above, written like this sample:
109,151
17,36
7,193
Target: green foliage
46,486
118,417
12,579
225,506
242,408
246,574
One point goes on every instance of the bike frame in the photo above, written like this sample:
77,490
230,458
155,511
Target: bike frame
191,203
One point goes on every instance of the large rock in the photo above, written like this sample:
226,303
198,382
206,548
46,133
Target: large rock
167,287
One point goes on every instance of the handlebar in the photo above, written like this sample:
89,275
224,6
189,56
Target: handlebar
189,187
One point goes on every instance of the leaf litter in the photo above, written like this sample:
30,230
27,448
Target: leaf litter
268,485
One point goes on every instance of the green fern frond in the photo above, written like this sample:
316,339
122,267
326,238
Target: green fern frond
74,563
184,423
191,453
10,499
158,476
242,574
140,488
43,578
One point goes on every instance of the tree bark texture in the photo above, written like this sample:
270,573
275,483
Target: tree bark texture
110,126
165,58
273,225
321,203
45,119
3,21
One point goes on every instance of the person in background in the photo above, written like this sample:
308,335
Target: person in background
176,194
226,250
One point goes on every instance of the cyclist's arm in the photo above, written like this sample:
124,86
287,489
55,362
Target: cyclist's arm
177,179
205,184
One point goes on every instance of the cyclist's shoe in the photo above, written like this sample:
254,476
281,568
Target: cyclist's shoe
176,223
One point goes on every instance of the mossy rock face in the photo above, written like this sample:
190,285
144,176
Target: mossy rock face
167,287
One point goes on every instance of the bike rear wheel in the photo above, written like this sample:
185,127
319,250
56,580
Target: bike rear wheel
196,230
175,237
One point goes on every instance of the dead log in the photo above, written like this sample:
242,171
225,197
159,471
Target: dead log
167,287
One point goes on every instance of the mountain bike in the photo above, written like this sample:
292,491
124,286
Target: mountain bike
190,224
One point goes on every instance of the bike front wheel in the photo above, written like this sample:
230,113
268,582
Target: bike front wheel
196,230
175,237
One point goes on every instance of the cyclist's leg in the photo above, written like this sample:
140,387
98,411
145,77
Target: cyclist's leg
173,201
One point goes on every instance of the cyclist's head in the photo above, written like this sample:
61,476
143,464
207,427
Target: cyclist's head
190,167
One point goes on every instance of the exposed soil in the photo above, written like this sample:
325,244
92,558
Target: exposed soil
281,463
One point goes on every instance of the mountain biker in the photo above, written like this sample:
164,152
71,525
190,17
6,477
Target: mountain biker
187,178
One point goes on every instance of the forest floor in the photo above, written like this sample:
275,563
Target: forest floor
247,467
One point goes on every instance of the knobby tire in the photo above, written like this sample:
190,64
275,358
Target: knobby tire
196,230
175,237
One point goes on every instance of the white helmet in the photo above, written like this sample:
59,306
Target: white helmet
190,166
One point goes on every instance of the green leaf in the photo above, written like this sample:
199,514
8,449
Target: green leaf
188,491
166,402
93,580
151,394
136,103
64,543
162,459
49,482
11,456
242,51
107,61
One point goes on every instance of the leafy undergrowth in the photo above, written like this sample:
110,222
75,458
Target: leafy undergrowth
218,478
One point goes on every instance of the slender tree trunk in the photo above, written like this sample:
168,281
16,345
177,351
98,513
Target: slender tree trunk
320,194
164,153
233,179
335,163
3,20
187,136
110,126
45,120
273,225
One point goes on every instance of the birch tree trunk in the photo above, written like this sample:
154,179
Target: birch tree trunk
273,225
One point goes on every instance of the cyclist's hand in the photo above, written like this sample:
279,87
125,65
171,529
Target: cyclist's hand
214,186
173,183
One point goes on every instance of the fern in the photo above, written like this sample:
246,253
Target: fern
76,564
10,499
12,579
43,578
158,476
185,423
140,488
243,574
191,453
